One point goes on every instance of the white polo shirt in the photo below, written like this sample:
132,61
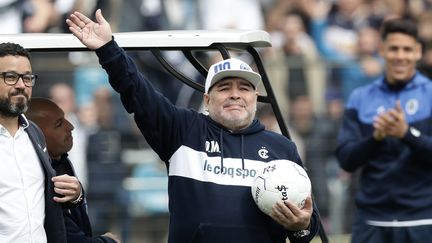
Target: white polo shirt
22,189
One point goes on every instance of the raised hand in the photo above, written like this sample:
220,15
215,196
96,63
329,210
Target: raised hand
92,34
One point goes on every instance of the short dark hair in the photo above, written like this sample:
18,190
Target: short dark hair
13,49
399,25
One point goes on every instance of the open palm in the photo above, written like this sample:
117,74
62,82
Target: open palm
92,34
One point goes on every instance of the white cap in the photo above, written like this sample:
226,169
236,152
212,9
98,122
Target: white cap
231,68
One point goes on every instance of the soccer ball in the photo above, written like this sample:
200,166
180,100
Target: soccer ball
280,180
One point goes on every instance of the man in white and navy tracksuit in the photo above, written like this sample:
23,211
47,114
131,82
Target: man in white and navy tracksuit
211,159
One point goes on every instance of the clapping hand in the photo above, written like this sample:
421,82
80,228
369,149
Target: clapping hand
391,123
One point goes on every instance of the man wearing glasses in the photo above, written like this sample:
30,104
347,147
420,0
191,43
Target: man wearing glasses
30,191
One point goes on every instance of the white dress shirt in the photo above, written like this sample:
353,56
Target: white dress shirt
22,185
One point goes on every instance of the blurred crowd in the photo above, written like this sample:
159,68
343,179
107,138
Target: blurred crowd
321,50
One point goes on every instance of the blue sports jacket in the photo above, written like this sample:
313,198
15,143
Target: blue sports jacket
395,181
210,168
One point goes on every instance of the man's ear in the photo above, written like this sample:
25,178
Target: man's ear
206,99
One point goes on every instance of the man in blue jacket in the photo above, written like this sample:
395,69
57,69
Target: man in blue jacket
211,159
29,188
58,134
387,135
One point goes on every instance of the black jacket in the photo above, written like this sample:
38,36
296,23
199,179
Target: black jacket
54,226
78,227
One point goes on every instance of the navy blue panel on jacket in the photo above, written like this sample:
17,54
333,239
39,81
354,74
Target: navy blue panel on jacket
396,183
210,168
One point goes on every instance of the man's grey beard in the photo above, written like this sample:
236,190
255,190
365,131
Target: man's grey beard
8,109
235,125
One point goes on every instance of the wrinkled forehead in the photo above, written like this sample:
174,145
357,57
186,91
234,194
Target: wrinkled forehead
232,81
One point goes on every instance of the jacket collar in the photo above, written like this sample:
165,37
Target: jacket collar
23,122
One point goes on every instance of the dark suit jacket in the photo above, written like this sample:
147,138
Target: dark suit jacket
77,222
54,222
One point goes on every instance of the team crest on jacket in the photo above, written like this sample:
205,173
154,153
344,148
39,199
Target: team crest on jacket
263,153
411,107
381,109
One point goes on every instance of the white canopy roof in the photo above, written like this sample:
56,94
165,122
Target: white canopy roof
147,39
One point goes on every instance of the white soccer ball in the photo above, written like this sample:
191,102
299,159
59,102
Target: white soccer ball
280,180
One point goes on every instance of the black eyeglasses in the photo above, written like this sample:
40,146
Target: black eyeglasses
11,78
